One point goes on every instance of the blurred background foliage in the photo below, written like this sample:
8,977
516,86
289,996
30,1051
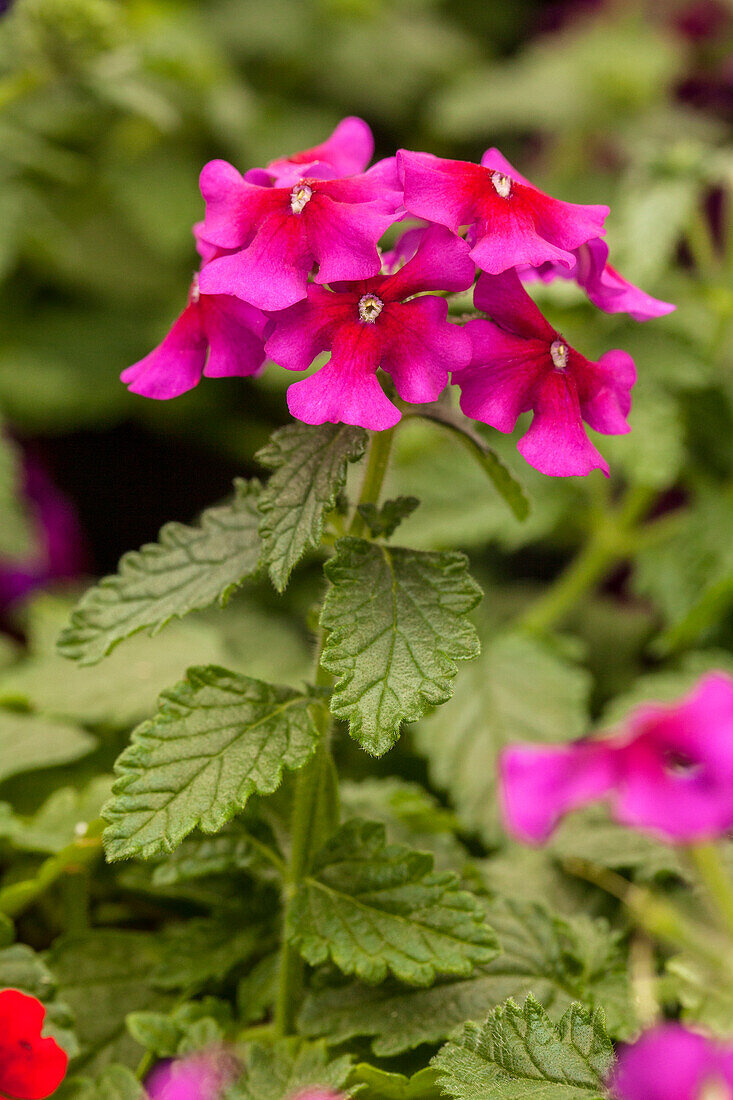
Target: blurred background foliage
109,108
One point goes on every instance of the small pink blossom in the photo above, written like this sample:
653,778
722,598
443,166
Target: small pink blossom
510,222
346,152
368,325
671,1063
202,1076
217,335
605,287
519,362
275,235
668,771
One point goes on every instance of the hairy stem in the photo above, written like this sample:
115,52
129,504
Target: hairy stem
715,878
315,803
610,541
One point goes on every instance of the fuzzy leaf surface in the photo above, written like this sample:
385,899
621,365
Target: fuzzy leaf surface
557,959
187,569
397,623
519,1053
516,691
29,742
218,738
309,469
375,909
287,1068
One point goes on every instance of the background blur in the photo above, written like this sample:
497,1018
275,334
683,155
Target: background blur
108,110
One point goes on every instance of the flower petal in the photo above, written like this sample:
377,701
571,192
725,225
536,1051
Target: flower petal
604,390
304,330
508,304
421,347
346,390
235,333
441,262
234,207
347,151
343,237
539,785
501,377
439,190
176,365
667,1063
556,443
271,272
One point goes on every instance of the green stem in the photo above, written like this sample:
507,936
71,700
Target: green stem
609,543
75,859
712,873
380,447
315,802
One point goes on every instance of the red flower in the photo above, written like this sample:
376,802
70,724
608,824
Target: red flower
31,1067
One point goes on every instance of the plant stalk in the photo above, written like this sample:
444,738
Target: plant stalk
715,878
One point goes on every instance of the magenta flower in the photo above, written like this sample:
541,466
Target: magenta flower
510,222
61,550
602,283
217,335
277,234
671,1063
367,325
668,771
519,362
346,152
203,1076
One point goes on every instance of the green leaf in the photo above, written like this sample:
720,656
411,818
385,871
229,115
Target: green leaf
590,834
375,909
218,738
123,690
558,959
381,1085
21,968
189,568
199,856
103,975
62,817
29,742
689,575
287,1068
115,1083
519,1052
309,467
517,691
202,949
397,623
383,522
16,534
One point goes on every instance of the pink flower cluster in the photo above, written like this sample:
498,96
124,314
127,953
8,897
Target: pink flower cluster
671,1063
291,268
668,771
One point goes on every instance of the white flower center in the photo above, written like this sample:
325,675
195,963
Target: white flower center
300,196
502,184
194,293
370,306
559,354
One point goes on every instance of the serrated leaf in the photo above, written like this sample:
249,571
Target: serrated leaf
375,909
383,522
689,575
187,569
397,625
309,469
201,949
199,856
287,1068
519,1052
517,691
16,533
558,959
218,738
29,742
381,1085
103,975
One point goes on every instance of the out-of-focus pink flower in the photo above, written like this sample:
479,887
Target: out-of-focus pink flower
368,325
217,335
605,287
202,1076
404,248
61,549
275,235
346,152
671,1063
510,222
519,362
668,771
